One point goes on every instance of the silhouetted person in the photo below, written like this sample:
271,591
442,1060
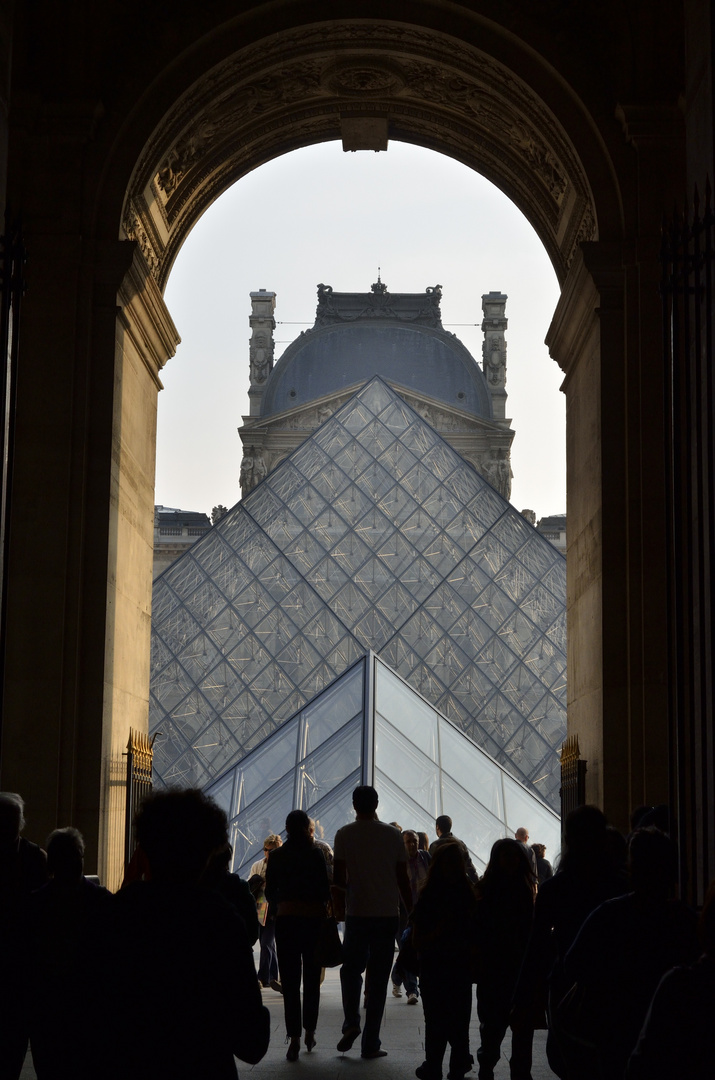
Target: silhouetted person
544,869
66,934
297,884
369,875
219,877
23,868
185,995
443,828
267,957
443,934
522,837
504,918
676,1041
583,880
626,945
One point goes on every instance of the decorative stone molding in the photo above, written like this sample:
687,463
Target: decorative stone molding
334,308
289,90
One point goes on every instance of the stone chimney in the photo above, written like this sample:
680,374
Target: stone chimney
494,350
260,346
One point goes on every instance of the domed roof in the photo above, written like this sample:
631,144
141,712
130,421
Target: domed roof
358,335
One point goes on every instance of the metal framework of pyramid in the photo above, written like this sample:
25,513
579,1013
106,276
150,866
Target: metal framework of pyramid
373,535
370,727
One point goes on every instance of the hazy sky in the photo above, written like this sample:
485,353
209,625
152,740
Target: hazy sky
321,215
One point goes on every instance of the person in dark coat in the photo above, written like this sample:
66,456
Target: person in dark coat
23,868
234,889
66,920
625,947
504,918
443,935
585,879
544,869
183,998
676,1040
297,886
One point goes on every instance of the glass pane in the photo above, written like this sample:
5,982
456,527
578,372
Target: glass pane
268,764
471,769
396,805
404,711
324,769
335,707
471,822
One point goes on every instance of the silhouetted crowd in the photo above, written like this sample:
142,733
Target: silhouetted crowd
159,981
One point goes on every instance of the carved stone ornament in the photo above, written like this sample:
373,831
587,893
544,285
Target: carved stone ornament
289,89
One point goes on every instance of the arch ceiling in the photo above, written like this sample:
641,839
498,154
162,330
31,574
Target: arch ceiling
307,86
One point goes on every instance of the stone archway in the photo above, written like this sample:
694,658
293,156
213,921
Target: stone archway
518,98
364,86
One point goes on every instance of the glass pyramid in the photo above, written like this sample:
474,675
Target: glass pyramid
373,534
370,727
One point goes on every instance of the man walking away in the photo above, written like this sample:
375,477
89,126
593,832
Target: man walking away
443,828
370,874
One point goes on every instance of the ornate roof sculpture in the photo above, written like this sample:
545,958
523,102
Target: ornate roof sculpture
374,534
370,727
399,336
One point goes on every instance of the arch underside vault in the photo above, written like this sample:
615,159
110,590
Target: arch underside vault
321,83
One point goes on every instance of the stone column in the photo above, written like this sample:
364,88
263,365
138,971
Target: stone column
260,346
494,325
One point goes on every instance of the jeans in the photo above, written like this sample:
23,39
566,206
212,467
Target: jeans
268,962
369,945
296,937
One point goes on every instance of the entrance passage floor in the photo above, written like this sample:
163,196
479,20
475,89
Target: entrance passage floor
402,1035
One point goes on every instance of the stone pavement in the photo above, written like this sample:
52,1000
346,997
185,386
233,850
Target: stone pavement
402,1035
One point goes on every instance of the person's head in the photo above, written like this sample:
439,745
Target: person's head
178,831
423,841
409,838
584,841
298,826
522,835
65,855
271,842
652,862
508,867
12,816
443,825
447,868
365,801
396,825
539,850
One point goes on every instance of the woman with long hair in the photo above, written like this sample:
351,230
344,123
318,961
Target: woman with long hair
505,913
297,886
442,933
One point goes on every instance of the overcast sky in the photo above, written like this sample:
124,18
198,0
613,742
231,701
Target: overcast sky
321,215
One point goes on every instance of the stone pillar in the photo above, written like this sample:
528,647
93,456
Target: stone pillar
616,567
260,344
494,325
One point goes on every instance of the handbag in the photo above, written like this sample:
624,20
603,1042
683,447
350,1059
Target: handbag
328,946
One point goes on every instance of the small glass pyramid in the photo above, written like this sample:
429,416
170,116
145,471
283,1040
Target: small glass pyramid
370,727
373,535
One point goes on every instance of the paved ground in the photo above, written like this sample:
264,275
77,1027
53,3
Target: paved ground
402,1036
